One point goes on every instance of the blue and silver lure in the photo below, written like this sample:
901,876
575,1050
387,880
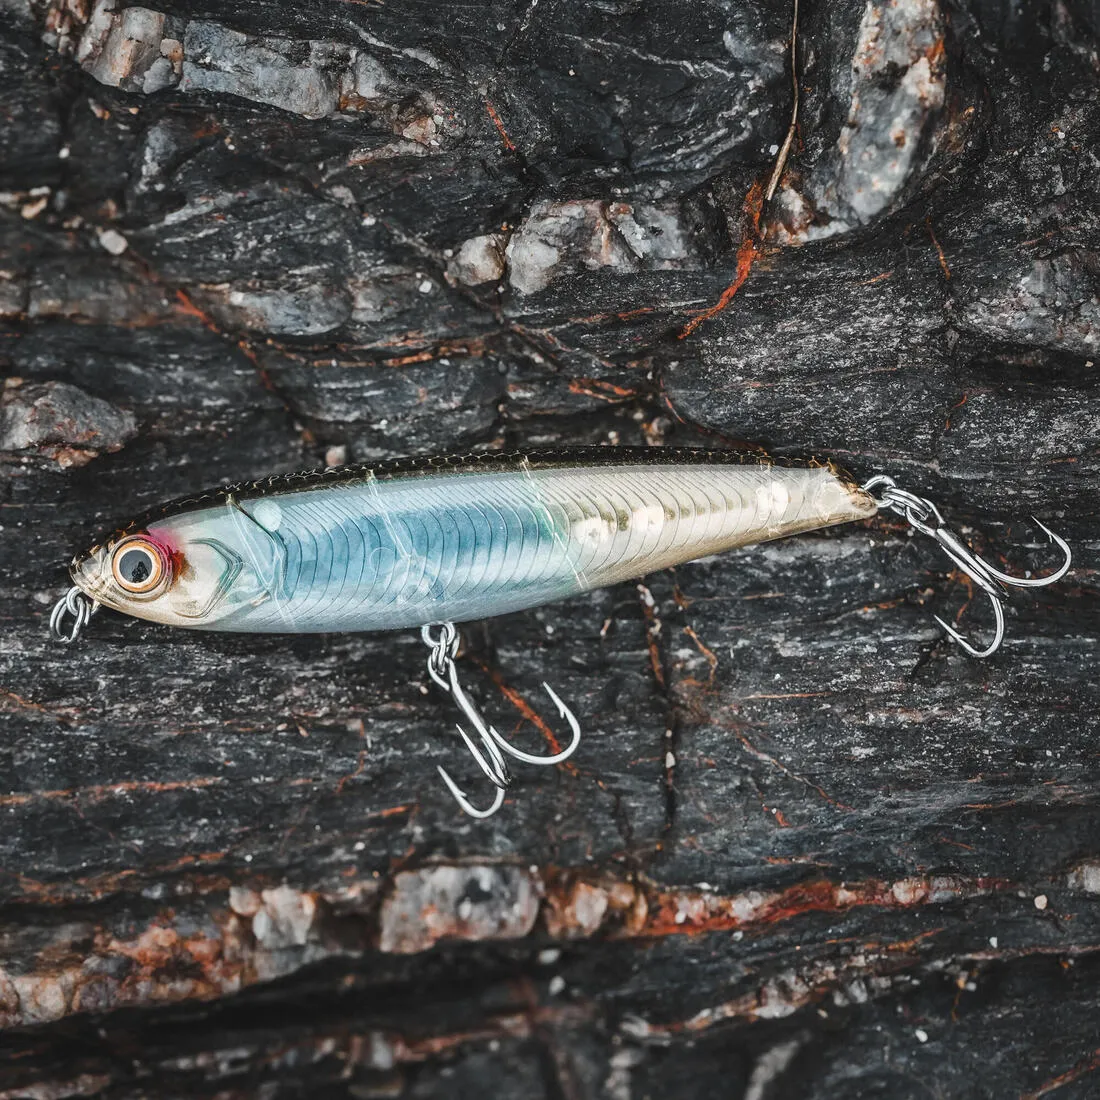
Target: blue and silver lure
431,542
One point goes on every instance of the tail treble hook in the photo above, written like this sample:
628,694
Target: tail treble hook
489,753
924,516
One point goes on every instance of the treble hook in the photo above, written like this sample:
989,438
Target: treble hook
77,604
924,516
489,754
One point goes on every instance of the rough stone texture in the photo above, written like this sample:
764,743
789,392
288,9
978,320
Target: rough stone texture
61,422
806,849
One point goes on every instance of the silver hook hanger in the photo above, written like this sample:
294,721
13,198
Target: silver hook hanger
489,753
80,607
921,514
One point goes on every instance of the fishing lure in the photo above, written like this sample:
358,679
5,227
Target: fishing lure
430,542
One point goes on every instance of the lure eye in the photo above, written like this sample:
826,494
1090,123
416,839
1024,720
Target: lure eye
138,565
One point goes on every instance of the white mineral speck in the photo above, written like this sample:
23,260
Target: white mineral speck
1041,901
113,241
922,1035
557,985
425,287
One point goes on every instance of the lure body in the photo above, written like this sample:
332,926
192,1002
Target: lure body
453,539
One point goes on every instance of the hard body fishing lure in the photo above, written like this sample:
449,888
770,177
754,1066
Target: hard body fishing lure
430,542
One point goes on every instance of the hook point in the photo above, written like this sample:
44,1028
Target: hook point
464,802
489,753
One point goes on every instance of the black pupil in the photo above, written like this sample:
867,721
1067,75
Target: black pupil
135,566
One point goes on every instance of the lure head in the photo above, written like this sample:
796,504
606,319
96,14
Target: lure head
185,569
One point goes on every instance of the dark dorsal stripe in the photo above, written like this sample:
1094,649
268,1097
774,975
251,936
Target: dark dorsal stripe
470,462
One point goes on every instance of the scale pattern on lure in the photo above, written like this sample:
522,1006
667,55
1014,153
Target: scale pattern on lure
433,541
400,545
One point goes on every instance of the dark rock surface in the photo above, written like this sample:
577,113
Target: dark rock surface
807,849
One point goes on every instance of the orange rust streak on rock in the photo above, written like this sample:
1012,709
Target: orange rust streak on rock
788,695
747,252
112,789
522,706
360,765
603,391
939,250
392,811
652,629
956,843
903,946
64,714
471,349
708,653
509,144
112,882
767,758
680,913
958,405
618,315
1086,1065
188,307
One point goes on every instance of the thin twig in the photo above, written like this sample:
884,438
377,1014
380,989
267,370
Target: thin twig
755,202
785,150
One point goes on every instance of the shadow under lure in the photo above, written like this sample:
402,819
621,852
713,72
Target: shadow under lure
428,542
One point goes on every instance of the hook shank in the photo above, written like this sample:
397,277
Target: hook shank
489,749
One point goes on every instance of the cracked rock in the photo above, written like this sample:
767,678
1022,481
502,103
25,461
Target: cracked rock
284,919
143,50
1051,304
304,308
128,48
557,239
61,422
467,903
479,260
894,87
301,77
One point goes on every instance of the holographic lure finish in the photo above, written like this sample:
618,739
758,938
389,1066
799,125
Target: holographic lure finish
450,539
